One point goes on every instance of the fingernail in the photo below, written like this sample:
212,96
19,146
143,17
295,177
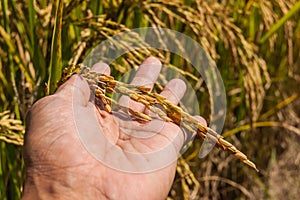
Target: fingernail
177,85
101,67
151,61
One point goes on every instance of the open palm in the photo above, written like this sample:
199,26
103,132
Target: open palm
75,150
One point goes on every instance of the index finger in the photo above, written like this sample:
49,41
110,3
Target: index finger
146,76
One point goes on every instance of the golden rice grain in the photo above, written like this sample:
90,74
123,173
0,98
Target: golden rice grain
156,103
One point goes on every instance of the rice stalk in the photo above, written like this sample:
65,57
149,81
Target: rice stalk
188,180
291,12
245,191
279,106
11,130
218,27
263,124
169,112
56,56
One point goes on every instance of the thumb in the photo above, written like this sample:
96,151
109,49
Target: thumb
75,89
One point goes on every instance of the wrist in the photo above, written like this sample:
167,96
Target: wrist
41,188
58,188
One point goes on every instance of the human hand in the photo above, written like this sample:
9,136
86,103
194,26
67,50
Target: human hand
65,160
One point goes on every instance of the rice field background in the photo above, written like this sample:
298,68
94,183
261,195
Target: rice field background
256,47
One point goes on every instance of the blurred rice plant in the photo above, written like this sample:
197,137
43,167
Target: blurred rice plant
254,43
